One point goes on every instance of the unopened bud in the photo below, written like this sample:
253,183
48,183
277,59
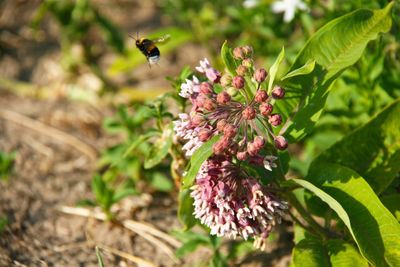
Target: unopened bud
221,125
241,70
226,80
242,155
238,53
200,99
275,119
259,141
278,92
252,149
204,134
209,105
221,145
261,96
260,75
223,98
266,109
238,82
247,62
249,113
196,120
247,50
206,88
280,142
232,91
229,131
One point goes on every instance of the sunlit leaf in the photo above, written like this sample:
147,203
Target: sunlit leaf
305,69
274,69
198,157
336,46
185,209
159,150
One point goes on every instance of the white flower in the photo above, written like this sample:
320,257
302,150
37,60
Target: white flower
288,7
250,3
269,162
190,87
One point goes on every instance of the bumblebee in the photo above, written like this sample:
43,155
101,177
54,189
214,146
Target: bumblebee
149,49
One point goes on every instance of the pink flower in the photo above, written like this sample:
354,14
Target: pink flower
212,74
233,204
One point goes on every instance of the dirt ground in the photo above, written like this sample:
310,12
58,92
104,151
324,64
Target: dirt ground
58,141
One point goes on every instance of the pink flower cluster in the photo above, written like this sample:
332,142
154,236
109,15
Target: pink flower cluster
233,204
240,110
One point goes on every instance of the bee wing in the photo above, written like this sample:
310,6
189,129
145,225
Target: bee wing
162,39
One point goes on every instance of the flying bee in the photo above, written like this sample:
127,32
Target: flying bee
148,47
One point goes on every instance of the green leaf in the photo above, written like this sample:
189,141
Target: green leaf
161,182
189,246
159,150
373,150
375,230
305,69
336,46
123,193
274,69
392,203
198,157
343,254
3,223
227,58
310,252
135,57
137,142
333,203
185,209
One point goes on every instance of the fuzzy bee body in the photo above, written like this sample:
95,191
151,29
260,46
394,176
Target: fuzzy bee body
149,49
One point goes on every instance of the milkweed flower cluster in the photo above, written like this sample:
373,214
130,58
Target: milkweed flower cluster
240,110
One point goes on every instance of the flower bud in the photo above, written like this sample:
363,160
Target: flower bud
261,96
209,105
278,92
252,149
221,145
275,119
226,80
232,91
247,50
223,98
238,82
199,101
238,53
266,109
241,70
204,134
221,125
259,141
249,113
196,120
260,75
229,131
280,142
233,148
206,88
241,155
247,62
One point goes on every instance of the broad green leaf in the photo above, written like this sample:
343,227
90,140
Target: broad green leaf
392,203
310,252
227,58
185,209
198,157
343,254
123,193
160,148
137,142
274,69
373,150
336,46
135,57
161,182
375,230
333,203
305,69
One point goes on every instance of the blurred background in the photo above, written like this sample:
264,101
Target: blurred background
79,105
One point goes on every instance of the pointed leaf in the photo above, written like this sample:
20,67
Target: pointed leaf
336,46
227,57
185,209
305,69
274,69
373,150
160,148
199,156
375,230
